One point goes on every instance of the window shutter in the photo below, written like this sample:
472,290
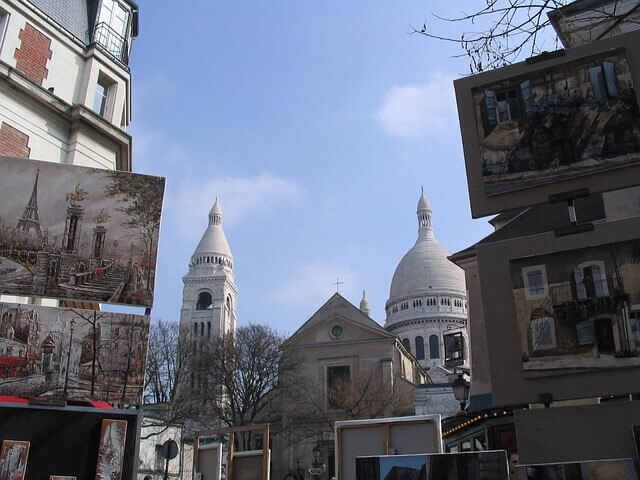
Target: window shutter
527,98
586,332
489,115
599,281
578,277
598,83
613,89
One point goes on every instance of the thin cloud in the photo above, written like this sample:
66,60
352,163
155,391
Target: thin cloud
238,196
413,109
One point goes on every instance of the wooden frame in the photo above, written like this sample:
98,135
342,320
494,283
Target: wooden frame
386,424
231,431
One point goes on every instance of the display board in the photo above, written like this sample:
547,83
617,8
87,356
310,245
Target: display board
72,353
78,233
562,314
560,124
248,465
462,466
577,433
66,441
621,468
210,461
419,434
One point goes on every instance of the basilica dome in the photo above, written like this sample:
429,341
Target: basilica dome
213,247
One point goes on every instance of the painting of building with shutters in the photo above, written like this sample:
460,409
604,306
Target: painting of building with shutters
78,233
579,310
573,119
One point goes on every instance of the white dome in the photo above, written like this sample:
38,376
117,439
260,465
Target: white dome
214,241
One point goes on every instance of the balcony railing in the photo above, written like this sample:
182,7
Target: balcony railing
111,42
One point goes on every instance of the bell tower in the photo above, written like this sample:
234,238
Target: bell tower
209,295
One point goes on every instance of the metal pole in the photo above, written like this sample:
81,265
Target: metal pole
166,469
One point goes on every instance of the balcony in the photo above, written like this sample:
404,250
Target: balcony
112,43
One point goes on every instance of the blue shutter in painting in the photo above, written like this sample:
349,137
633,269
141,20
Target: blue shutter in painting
527,98
586,332
599,281
611,79
489,114
598,83
578,277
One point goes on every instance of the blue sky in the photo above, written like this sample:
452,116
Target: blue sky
316,123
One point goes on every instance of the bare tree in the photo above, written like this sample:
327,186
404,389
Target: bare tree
162,362
506,30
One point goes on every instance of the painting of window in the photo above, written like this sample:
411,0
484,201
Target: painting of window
543,334
586,332
535,281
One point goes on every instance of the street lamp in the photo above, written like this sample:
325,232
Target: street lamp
72,324
461,390
317,469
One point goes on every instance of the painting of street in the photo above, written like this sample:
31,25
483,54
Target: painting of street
72,353
444,466
618,469
113,436
579,310
573,119
78,233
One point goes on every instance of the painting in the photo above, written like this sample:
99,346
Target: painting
547,125
578,310
78,233
72,353
13,459
113,436
61,477
636,437
442,466
624,468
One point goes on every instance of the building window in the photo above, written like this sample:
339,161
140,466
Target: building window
445,302
205,302
4,21
417,303
395,309
454,348
404,305
100,98
419,348
159,459
543,334
336,331
407,344
431,302
112,28
590,280
604,81
535,282
434,347
336,376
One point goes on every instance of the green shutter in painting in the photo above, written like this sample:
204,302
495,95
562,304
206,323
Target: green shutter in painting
611,79
527,97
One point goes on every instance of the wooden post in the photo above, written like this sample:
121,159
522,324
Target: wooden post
232,440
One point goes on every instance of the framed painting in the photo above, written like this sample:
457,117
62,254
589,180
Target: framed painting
111,452
13,459
593,470
78,233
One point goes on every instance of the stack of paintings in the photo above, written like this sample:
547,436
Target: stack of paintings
618,469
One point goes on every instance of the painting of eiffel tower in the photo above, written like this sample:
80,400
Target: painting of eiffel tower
30,219
78,233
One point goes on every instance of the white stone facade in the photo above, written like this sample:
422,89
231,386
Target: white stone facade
427,298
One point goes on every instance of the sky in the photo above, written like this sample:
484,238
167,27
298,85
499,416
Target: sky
316,124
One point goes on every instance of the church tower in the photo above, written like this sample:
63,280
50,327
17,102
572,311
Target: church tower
209,294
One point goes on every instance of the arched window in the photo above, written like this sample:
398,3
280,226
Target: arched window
419,348
195,328
208,329
202,329
228,306
407,344
434,346
205,302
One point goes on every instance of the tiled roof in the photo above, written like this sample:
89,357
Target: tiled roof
72,15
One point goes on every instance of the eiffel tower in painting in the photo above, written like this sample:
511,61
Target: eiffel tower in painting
30,217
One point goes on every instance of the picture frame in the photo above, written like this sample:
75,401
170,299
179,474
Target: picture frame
14,455
111,453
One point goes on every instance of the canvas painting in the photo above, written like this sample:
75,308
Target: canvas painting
78,233
572,119
60,477
72,353
442,466
13,459
113,436
579,310
619,469
636,437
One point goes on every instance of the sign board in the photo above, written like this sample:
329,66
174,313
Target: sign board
418,434
561,314
569,122
78,233
72,353
248,465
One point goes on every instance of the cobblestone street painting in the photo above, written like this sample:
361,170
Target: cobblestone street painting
462,466
113,436
619,469
72,353
579,310
78,233
13,459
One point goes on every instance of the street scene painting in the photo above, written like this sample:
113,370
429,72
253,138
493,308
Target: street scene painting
618,469
113,436
72,353
78,233
579,310
444,466
573,119
13,459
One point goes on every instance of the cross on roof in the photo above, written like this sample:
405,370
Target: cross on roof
337,283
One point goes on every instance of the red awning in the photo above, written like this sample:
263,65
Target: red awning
12,399
100,404
13,362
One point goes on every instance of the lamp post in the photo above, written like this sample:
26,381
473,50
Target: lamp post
72,324
461,391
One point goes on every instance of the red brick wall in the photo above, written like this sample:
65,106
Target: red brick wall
13,142
33,54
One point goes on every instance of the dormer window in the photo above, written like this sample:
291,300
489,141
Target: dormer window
111,29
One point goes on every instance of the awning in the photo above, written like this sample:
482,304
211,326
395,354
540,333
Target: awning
13,362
